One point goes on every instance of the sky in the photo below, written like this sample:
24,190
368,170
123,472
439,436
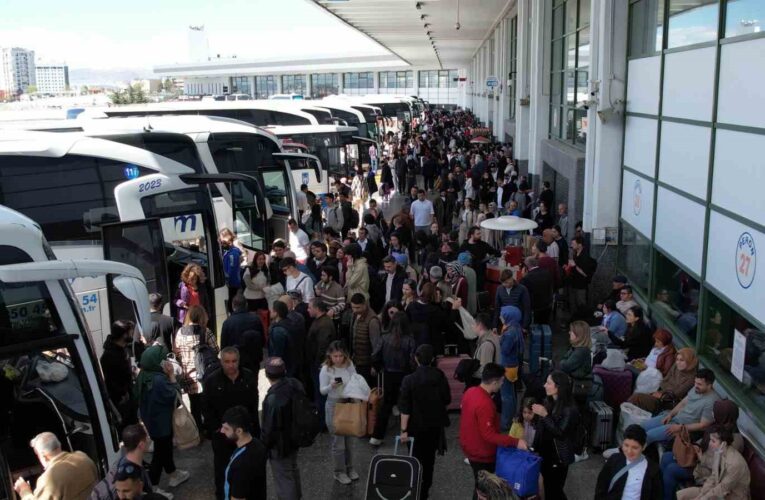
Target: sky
109,35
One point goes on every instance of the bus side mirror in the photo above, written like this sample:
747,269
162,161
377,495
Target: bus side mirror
316,165
135,290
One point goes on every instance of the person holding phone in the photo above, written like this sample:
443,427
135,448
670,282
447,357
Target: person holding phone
336,372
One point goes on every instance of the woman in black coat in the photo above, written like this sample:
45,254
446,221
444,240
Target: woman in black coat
557,433
613,476
638,341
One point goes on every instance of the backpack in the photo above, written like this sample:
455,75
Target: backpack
355,218
306,423
205,358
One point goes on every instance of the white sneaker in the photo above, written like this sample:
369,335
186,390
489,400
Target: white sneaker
353,475
395,411
342,478
375,441
164,493
467,462
178,477
581,458
610,452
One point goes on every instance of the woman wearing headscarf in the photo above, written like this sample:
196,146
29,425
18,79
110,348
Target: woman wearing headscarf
674,386
157,391
662,355
511,348
726,415
456,277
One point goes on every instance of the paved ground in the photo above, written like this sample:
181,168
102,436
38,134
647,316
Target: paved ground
452,479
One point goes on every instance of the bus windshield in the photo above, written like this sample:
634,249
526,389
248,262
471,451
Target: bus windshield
174,146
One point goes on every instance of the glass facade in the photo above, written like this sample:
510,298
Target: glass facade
396,79
241,85
701,222
512,65
358,80
294,84
445,78
265,86
324,84
569,70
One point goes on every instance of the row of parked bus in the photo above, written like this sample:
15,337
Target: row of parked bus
98,211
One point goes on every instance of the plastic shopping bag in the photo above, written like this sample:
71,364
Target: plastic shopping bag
630,414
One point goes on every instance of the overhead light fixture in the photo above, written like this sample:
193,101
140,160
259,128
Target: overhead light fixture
418,5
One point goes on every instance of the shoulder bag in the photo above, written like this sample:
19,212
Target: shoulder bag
185,431
683,450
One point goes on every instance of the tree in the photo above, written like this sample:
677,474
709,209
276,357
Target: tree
133,94
84,90
168,85
31,89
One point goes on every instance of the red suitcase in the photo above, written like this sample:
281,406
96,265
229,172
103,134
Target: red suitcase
513,255
448,364
617,385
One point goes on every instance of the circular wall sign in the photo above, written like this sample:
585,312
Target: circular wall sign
746,260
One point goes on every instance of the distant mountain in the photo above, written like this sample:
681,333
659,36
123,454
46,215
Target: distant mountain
92,76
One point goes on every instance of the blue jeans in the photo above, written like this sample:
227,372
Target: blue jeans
656,430
508,404
673,475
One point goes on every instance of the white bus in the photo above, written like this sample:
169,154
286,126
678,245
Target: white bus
99,199
51,380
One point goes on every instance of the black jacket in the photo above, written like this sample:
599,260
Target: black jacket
424,396
220,394
162,330
320,335
118,374
638,341
557,435
295,324
653,486
244,331
539,283
315,269
277,417
586,264
396,289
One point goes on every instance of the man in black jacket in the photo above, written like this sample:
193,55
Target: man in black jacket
629,474
118,373
162,326
512,293
322,333
225,388
319,259
580,268
244,330
393,279
422,401
399,165
479,250
347,210
277,430
540,286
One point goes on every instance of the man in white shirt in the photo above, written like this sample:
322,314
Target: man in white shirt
299,241
297,280
629,475
302,201
422,212
552,245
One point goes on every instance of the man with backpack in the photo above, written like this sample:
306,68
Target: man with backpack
290,421
488,350
226,388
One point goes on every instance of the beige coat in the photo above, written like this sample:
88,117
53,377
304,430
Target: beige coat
70,476
729,480
357,279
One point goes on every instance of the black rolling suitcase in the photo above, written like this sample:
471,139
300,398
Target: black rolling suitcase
602,425
394,477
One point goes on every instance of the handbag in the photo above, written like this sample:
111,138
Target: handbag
350,419
582,387
520,469
375,403
185,431
683,450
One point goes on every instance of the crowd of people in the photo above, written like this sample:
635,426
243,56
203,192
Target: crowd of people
352,293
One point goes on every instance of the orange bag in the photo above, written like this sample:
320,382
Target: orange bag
374,404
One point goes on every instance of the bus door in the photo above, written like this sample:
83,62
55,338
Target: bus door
363,144
337,157
140,244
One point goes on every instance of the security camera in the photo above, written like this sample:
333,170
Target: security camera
456,26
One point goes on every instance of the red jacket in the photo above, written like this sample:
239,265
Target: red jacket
479,427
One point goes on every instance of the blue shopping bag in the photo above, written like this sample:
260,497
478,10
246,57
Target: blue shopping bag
520,469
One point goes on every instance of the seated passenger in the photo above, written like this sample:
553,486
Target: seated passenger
613,321
662,356
675,385
637,341
694,411
729,478
663,304
726,416
626,300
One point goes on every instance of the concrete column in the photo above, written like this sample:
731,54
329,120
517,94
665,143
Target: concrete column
279,84
340,82
538,82
604,138
522,115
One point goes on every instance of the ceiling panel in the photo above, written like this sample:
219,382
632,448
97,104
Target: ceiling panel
399,26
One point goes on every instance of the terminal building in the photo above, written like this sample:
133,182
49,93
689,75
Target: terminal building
647,117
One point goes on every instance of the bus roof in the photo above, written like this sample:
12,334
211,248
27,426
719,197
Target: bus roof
309,129
56,145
